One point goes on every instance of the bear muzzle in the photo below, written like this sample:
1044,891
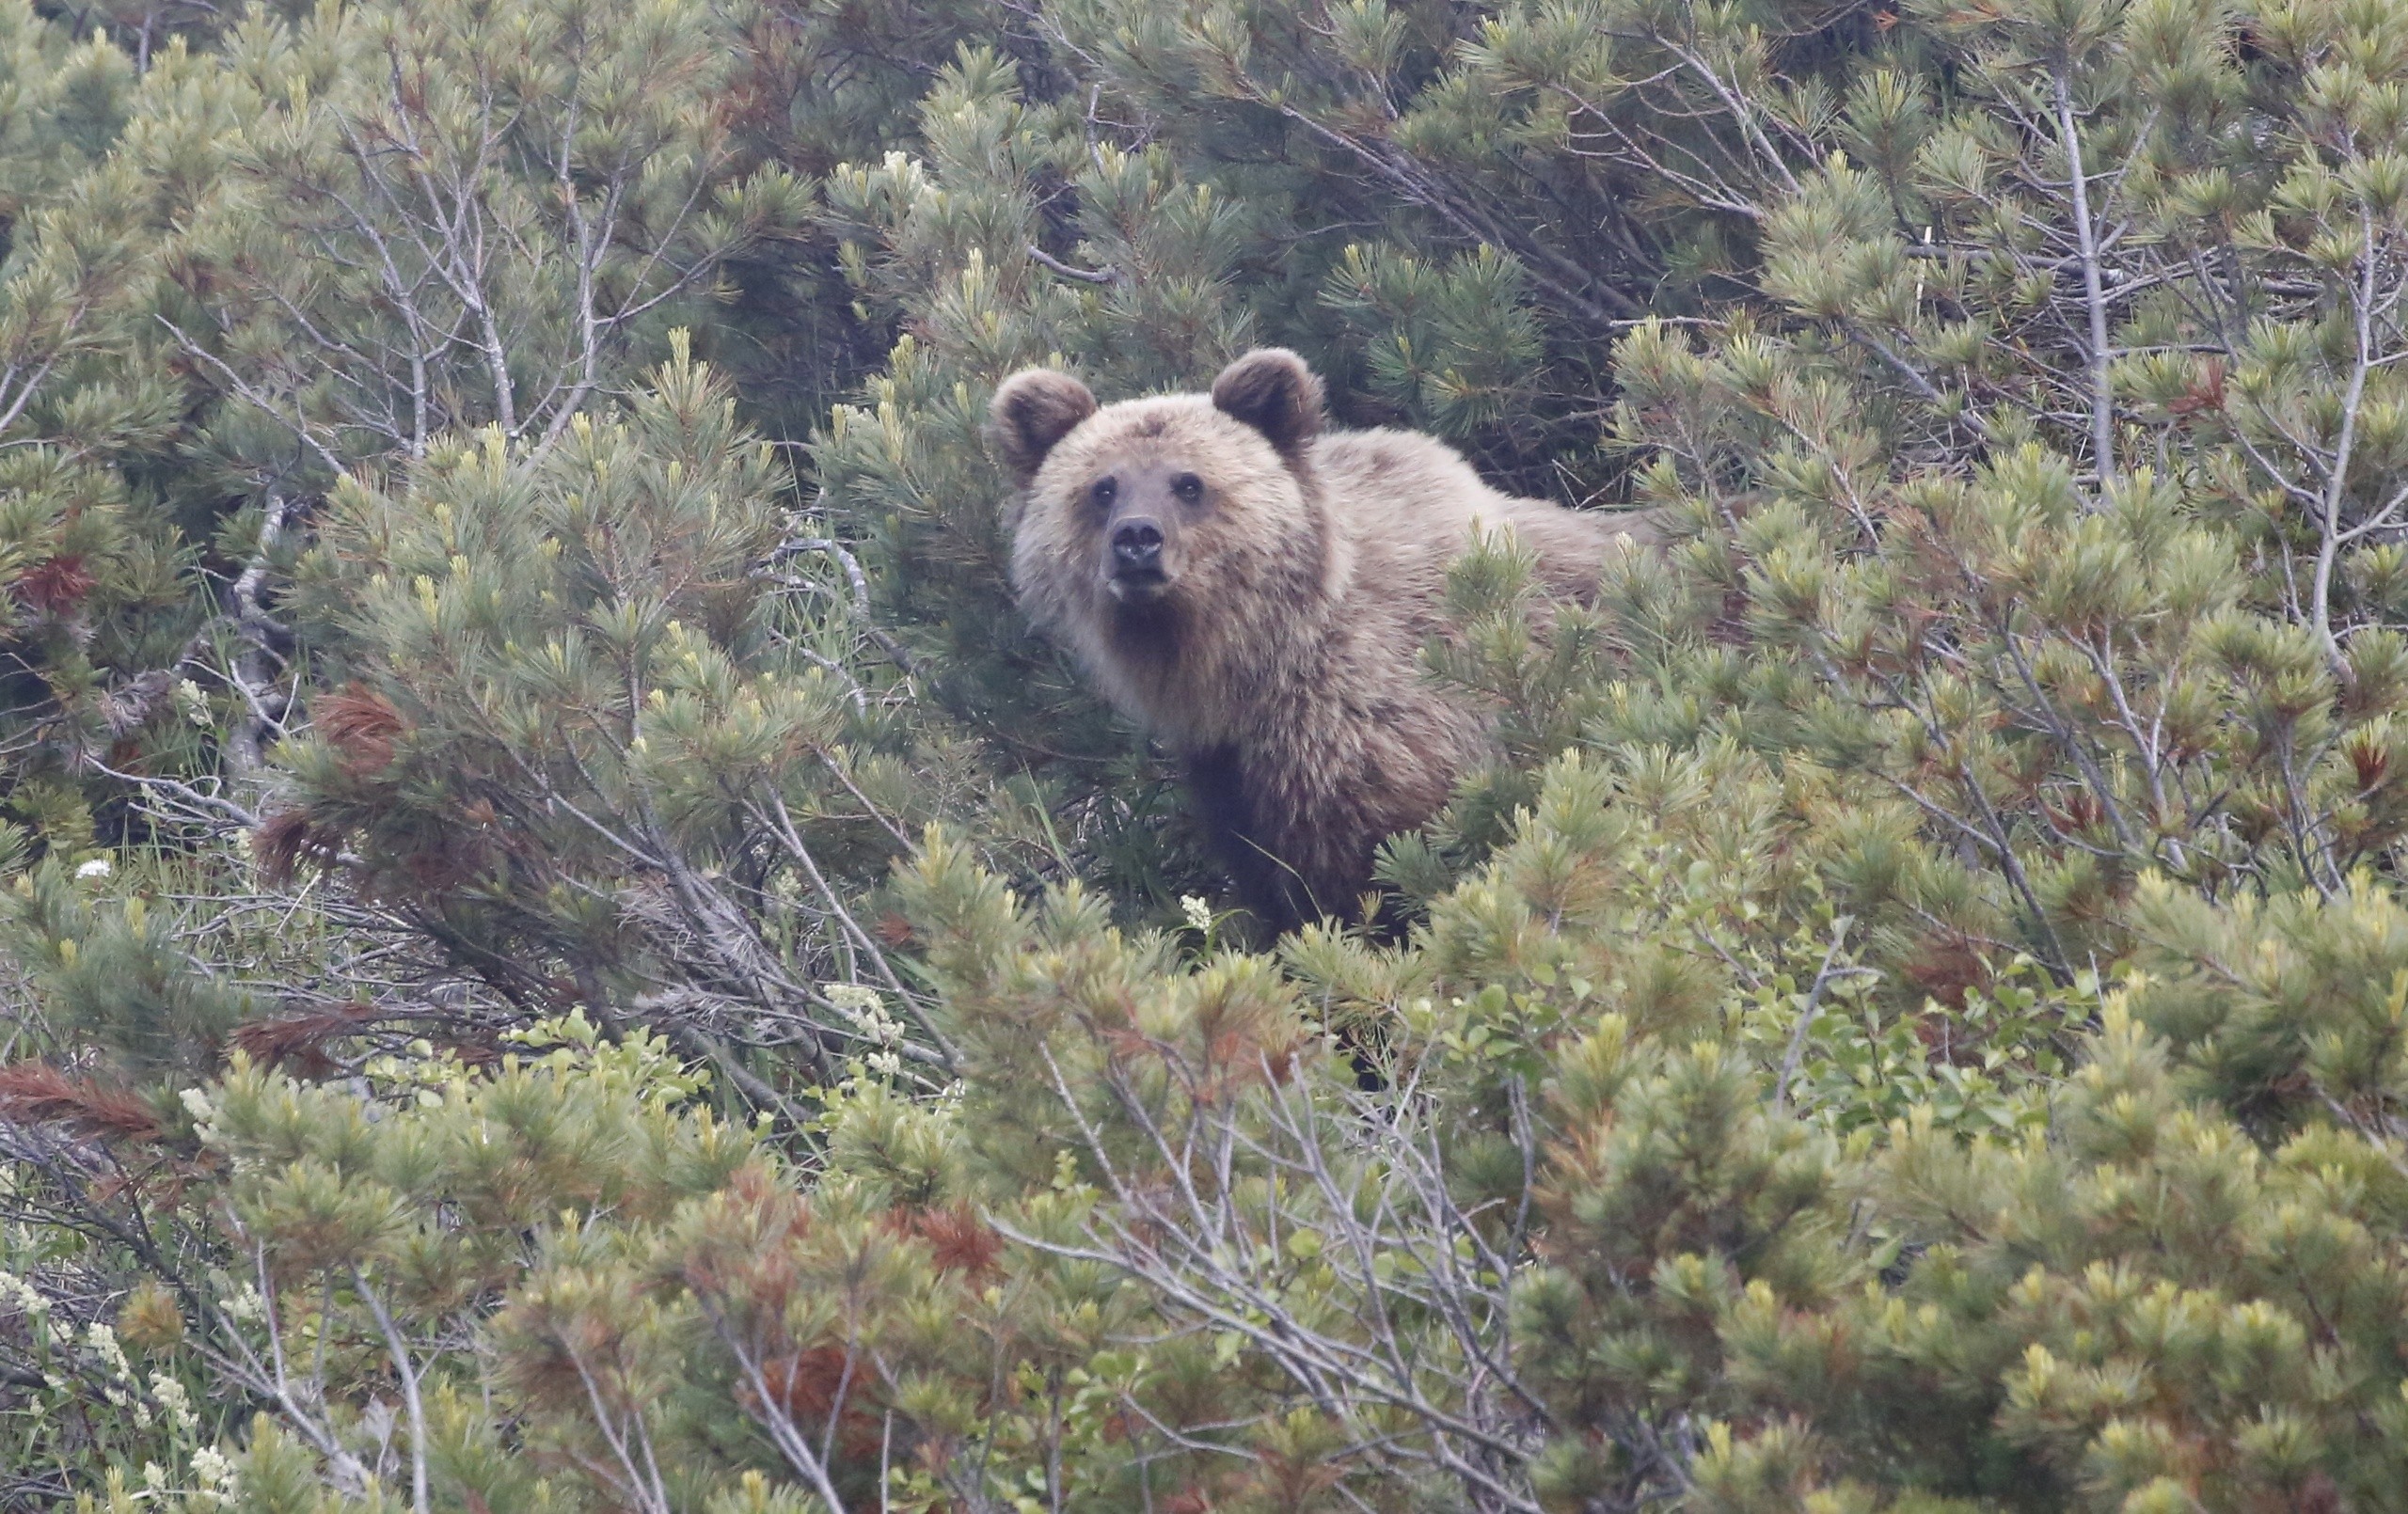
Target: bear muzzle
1140,572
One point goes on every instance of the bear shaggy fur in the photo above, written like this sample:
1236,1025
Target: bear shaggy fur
1255,590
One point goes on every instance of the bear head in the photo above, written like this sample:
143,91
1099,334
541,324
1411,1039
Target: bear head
1177,542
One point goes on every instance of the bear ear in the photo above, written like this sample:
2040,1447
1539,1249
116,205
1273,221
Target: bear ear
1272,390
1034,409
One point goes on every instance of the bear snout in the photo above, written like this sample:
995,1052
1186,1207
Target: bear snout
1136,546
1137,566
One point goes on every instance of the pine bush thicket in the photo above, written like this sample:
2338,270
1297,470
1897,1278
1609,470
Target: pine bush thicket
564,947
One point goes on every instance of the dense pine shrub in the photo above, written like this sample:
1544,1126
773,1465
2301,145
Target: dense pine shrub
564,948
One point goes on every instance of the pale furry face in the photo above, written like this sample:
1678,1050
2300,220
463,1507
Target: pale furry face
1166,540
1156,504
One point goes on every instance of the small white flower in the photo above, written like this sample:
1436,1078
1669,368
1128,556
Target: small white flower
193,702
97,868
197,1104
247,1304
867,1011
854,998
154,1477
213,1472
1198,913
21,1295
103,1341
175,1401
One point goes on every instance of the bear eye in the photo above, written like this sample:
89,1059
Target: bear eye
1188,487
1104,492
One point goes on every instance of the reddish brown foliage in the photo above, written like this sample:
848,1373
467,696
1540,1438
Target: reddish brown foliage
36,1093
2207,393
451,857
300,1040
2372,763
361,726
748,1252
285,840
804,1386
959,1241
2079,811
1946,967
57,586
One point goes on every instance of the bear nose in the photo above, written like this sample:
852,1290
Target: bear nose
1136,546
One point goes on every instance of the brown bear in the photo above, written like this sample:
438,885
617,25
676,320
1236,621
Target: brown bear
1255,590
